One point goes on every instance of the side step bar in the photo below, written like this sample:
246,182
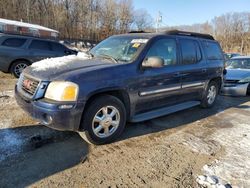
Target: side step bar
164,111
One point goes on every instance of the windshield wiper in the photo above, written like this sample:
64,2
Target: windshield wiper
108,57
90,54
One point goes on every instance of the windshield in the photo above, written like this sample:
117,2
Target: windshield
238,64
119,48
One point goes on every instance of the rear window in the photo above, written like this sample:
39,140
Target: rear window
57,47
14,42
190,51
213,51
40,45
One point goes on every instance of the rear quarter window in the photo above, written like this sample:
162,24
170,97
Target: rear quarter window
213,51
14,42
57,47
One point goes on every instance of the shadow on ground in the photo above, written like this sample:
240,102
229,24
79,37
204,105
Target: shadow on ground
27,157
182,118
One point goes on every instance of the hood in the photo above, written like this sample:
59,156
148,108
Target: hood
237,74
48,69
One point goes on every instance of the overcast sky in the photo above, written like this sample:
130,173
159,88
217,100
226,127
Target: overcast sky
187,12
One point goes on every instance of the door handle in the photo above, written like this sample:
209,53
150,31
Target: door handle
177,74
204,70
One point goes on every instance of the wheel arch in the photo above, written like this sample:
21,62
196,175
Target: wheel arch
121,94
217,80
19,59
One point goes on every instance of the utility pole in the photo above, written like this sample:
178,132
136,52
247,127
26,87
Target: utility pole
28,11
158,21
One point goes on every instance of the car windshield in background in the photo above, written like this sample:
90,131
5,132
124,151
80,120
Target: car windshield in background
239,64
119,48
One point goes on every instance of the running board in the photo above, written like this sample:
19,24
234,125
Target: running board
164,111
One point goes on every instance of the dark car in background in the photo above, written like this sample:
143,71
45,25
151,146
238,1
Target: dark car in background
17,52
132,77
237,82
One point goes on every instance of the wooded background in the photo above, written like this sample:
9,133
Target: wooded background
97,19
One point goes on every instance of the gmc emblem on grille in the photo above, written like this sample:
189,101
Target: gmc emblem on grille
27,84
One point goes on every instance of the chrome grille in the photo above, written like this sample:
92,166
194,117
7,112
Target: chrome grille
29,85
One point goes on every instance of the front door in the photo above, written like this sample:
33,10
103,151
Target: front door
160,87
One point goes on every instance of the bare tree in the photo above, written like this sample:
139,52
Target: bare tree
142,19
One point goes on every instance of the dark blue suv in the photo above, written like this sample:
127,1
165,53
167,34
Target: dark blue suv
132,77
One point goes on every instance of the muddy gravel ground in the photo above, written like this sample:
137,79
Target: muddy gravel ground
171,151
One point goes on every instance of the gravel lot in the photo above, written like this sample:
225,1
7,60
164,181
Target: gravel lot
192,148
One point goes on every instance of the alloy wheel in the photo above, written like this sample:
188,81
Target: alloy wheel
106,121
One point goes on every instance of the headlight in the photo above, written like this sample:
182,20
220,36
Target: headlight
245,80
62,91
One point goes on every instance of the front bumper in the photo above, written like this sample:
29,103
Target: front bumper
50,114
235,89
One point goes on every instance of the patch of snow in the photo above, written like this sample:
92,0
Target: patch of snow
200,145
83,55
234,166
9,93
58,62
23,24
211,182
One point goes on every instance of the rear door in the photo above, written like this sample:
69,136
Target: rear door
193,69
215,58
58,49
40,49
160,87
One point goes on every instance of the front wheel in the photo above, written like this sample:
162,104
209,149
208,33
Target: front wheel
210,96
104,120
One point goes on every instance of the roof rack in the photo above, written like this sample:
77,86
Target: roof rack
140,31
192,34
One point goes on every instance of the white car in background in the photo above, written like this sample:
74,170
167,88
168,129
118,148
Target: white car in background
237,81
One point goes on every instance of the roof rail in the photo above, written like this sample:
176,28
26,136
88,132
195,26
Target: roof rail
192,34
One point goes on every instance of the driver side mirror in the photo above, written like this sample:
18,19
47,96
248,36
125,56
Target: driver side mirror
153,62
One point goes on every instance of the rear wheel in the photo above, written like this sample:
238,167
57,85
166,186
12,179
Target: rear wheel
17,68
104,120
211,94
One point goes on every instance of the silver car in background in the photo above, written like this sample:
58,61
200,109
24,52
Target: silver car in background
237,80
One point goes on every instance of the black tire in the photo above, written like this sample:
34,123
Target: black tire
206,102
248,89
17,67
95,110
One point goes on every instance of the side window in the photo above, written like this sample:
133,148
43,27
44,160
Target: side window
165,49
191,52
213,51
14,42
57,47
40,45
